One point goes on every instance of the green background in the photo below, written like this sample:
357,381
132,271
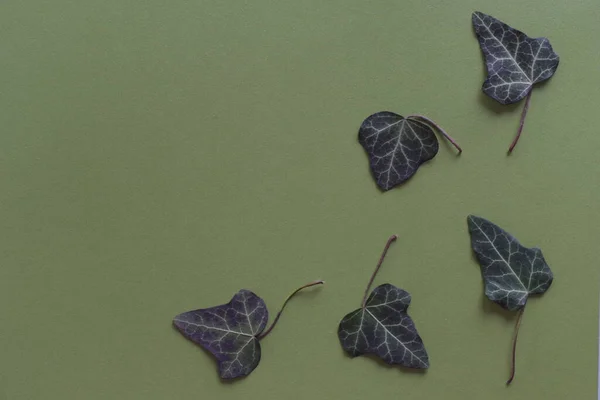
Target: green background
158,156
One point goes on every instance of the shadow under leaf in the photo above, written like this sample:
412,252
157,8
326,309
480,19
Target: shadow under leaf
489,306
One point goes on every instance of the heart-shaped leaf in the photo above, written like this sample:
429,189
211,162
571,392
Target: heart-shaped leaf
515,62
511,272
397,146
382,326
231,332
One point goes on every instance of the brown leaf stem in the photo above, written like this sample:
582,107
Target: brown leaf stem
514,347
521,123
385,249
265,333
424,120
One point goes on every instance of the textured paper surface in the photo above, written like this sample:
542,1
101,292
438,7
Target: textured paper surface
157,156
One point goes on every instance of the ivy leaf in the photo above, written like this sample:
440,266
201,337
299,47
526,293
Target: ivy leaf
382,326
397,146
229,332
515,62
511,272
232,331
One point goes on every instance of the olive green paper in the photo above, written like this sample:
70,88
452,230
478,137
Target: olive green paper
156,155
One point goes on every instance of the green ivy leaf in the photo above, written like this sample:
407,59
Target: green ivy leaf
383,327
511,272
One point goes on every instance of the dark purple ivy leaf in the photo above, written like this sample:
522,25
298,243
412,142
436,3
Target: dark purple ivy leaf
383,327
514,61
397,146
231,332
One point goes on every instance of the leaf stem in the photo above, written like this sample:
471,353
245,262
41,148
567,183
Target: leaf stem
427,121
385,249
514,347
265,333
521,123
